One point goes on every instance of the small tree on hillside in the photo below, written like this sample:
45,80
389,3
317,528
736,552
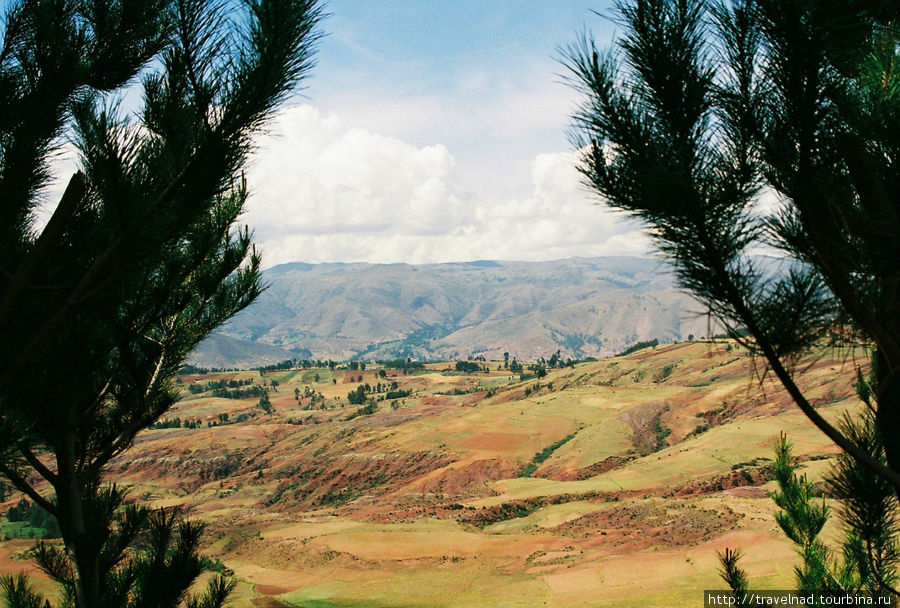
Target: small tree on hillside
139,261
869,553
265,403
704,105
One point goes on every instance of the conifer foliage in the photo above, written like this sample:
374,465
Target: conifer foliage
702,107
869,553
140,259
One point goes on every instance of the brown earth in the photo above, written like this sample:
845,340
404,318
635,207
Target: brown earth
322,504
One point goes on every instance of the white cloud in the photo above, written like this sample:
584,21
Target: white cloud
325,192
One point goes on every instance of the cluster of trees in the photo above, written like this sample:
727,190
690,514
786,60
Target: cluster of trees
361,393
187,368
469,367
230,383
366,410
307,392
176,422
556,360
537,371
241,393
222,419
316,398
219,385
638,346
168,423
404,365
358,396
231,389
265,404
315,363
36,517
396,393
278,367
289,364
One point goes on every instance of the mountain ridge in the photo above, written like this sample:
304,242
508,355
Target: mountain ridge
345,310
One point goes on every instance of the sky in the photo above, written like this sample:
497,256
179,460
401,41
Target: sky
434,131
431,131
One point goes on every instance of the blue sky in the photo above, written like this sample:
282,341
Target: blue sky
490,65
435,131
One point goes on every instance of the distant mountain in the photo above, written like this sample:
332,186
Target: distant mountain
581,306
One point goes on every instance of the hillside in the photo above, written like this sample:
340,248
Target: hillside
583,307
224,352
482,489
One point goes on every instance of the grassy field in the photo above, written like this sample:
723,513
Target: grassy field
10,530
658,460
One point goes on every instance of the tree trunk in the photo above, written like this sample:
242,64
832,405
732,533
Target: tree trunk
83,552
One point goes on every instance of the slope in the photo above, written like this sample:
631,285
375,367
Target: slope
484,489
585,307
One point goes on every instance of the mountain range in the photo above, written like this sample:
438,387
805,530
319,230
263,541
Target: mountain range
580,306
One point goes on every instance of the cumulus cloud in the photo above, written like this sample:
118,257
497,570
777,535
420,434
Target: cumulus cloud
325,192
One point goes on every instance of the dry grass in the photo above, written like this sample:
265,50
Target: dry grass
418,504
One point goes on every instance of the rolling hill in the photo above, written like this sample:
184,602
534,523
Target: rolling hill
486,490
581,306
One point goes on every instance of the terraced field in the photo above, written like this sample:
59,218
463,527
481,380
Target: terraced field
573,489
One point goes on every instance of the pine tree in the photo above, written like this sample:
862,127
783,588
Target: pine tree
150,560
869,555
700,109
140,259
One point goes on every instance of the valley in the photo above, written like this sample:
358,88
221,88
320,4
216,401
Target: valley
611,482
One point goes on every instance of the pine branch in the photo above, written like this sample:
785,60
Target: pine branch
39,466
23,486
